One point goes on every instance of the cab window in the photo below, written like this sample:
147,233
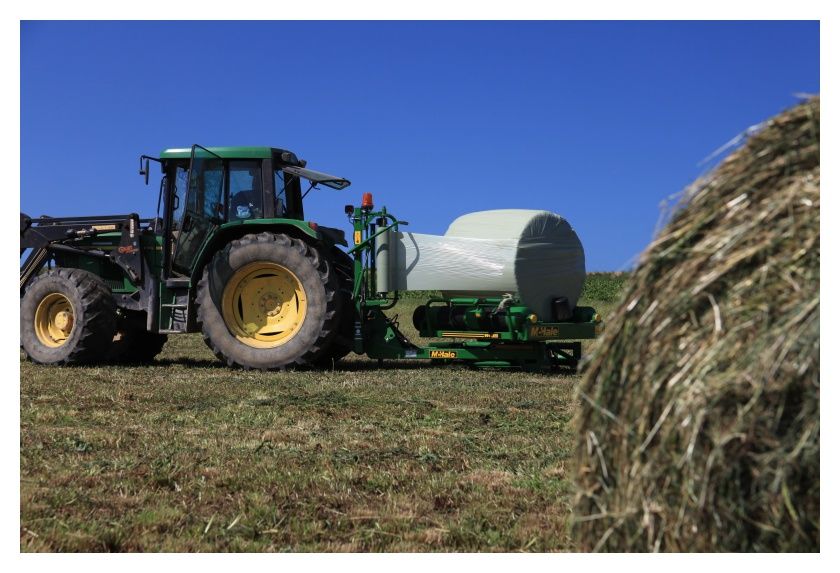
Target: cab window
280,193
180,193
287,201
246,192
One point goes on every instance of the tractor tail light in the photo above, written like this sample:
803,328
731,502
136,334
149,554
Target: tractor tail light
313,225
367,200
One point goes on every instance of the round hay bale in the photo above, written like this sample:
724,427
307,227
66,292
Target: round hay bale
699,408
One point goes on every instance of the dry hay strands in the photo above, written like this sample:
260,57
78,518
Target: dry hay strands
699,409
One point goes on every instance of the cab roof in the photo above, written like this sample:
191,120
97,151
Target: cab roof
291,163
226,152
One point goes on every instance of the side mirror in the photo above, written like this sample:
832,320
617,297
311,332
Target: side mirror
144,169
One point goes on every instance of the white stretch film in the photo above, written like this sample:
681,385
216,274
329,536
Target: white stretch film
432,262
489,253
384,259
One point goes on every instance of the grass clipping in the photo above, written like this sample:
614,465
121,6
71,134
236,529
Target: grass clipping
699,425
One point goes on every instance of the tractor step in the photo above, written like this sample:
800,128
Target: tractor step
179,282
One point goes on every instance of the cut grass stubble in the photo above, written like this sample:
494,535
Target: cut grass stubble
187,455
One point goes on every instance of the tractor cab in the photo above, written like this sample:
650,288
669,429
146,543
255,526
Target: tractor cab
216,205
207,191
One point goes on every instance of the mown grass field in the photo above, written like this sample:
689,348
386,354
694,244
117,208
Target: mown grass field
187,455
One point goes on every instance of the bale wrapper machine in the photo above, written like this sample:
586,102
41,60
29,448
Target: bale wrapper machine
483,331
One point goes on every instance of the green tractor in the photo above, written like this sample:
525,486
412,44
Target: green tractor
232,257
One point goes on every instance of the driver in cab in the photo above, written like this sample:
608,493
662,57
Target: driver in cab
246,194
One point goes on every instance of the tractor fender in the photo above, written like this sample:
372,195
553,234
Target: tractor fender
228,232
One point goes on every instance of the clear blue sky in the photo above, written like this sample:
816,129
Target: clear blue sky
596,121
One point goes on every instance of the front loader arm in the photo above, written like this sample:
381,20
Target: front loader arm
46,235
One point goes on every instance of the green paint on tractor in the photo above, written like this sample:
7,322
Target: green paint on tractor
231,255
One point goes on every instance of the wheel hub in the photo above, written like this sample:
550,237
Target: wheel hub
54,319
264,304
64,321
270,303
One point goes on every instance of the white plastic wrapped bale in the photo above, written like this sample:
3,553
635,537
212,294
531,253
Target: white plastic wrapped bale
535,254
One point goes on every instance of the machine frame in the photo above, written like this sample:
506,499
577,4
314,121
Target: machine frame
495,333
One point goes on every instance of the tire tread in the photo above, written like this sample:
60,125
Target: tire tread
321,266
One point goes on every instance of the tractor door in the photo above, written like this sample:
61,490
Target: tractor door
203,207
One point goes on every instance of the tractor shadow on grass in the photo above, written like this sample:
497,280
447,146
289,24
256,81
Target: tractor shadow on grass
361,365
184,362
343,366
356,365
353,365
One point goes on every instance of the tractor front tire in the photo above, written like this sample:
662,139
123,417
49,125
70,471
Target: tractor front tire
268,302
67,316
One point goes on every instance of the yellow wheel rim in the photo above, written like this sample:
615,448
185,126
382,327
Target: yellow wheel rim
54,320
264,305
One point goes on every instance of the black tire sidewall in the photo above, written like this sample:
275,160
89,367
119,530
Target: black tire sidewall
40,288
342,345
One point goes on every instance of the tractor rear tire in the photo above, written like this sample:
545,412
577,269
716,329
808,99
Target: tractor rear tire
67,316
342,344
268,302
